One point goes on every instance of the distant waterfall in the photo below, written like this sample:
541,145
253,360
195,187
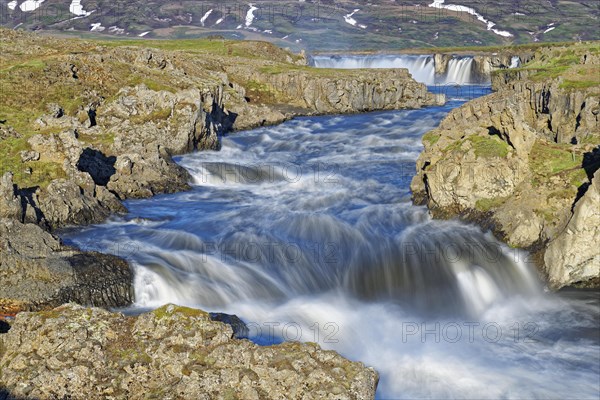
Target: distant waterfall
460,71
515,62
421,67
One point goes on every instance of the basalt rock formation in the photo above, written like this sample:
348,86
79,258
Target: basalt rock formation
39,272
522,162
172,352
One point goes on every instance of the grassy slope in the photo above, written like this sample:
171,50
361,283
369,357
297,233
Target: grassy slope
564,61
34,72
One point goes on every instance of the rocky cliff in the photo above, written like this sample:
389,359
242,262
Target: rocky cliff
170,353
521,161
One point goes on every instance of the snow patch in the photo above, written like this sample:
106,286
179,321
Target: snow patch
77,9
348,18
250,15
458,8
97,27
144,34
116,30
30,5
12,5
550,29
270,32
219,21
203,19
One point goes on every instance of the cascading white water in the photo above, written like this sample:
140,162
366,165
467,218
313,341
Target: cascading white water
310,225
421,67
460,71
515,62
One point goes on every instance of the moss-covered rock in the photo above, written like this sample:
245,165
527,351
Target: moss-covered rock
519,160
172,352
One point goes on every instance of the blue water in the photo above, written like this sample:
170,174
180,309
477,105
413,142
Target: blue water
307,232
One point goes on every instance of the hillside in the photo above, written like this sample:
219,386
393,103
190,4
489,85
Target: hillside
317,25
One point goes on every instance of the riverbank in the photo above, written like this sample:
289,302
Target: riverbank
523,160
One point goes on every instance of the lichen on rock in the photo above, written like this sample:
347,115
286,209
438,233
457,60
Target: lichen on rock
172,352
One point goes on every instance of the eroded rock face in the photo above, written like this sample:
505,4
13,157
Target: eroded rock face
146,173
37,271
172,352
574,256
356,91
517,161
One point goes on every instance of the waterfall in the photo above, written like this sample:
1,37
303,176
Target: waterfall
515,62
460,71
421,67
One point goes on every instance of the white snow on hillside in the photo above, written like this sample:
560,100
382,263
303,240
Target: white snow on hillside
12,5
77,9
203,19
97,27
348,18
144,34
219,21
550,29
250,15
30,5
458,8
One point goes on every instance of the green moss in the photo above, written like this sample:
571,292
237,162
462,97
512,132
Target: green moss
547,215
584,84
130,356
168,310
158,115
489,147
488,204
229,394
548,159
431,137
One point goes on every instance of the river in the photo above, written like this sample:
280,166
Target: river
306,231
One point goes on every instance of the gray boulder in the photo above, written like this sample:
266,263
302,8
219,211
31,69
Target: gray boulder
170,353
37,271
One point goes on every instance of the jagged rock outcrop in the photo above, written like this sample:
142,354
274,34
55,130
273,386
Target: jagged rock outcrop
573,256
355,91
517,161
38,272
147,172
172,352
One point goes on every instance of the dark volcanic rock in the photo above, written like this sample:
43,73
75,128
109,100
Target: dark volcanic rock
37,271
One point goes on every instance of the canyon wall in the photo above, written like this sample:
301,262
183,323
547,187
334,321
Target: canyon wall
522,162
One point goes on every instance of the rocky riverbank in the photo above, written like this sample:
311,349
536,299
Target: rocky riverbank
523,160
172,353
86,125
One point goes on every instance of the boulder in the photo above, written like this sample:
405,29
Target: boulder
37,271
172,352
574,255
